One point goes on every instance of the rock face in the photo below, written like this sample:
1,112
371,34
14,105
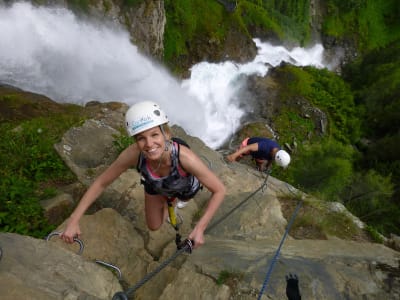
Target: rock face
36,269
147,26
145,22
241,241
263,100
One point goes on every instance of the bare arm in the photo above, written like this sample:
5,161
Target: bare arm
242,151
125,160
194,165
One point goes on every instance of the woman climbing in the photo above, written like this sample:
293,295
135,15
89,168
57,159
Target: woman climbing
263,150
169,170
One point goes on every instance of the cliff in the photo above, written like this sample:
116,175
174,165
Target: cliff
241,242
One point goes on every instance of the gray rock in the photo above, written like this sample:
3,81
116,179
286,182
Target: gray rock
35,269
241,242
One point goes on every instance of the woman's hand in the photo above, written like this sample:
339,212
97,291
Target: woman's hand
72,231
231,157
197,236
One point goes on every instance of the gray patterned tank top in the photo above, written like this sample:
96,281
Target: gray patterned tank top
177,184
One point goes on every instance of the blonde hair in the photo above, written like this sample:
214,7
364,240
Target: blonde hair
165,130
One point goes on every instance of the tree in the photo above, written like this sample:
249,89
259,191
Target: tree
369,197
324,169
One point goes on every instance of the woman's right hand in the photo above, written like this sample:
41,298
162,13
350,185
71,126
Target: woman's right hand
72,231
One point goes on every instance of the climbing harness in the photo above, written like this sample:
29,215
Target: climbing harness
274,259
173,220
81,246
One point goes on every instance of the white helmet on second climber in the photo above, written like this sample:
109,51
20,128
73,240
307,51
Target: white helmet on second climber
143,116
282,158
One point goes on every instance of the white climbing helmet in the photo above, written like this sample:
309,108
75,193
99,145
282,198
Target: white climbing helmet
282,158
144,115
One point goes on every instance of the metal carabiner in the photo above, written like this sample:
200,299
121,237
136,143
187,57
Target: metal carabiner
187,245
81,246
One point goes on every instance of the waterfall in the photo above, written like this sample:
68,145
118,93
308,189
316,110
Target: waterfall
48,50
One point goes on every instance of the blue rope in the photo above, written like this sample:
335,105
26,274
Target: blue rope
278,250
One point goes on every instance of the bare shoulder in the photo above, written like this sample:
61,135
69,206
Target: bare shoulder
190,161
186,154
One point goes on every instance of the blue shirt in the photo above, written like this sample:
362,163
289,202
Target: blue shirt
265,147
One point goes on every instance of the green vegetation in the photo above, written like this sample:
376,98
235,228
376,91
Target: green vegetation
362,104
321,224
356,161
375,80
122,141
256,16
132,2
329,171
375,235
369,24
364,178
322,168
297,127
369,196
317,220
339,166
326,91
293,17
229,278
190,25
30,168
79,5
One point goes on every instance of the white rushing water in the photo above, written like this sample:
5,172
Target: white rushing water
51,52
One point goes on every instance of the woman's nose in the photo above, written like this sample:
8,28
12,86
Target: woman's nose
148,142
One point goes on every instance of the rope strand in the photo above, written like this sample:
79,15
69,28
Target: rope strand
274,259
186,248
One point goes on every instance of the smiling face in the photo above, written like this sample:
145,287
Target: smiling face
151,142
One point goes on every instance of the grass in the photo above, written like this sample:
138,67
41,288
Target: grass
370,23
230,278
191,25
122,141
30,168
316,221
325,90
295,127
375,235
